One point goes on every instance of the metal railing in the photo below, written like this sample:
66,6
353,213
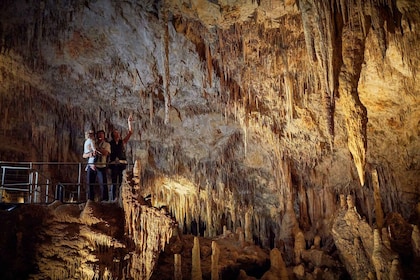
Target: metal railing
36,182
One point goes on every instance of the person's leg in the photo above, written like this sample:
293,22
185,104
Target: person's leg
105,190
114,180
103,183
91,177
119,179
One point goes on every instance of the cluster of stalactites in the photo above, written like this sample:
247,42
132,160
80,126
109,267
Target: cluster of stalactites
149,237
341,63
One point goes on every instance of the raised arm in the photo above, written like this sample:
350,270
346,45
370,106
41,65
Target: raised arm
130,130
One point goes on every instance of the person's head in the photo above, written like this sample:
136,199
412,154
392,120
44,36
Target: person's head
89,134
101,135
115,135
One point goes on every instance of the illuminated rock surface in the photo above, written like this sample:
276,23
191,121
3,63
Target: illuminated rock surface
254,121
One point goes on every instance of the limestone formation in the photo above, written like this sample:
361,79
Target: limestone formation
416,240
257,124
215,261
300,246
378,259
196,273
377,198
277,269
177,267
317,242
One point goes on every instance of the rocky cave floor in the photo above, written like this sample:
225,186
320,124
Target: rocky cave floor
81,241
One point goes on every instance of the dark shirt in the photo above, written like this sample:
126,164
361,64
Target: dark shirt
117,150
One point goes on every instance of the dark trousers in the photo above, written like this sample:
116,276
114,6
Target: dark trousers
90,179
103,182
116,177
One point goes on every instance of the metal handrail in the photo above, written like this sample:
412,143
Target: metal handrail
36,191
40,192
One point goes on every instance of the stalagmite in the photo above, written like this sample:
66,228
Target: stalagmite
137,169
377,258
177,267
215,261
354,240
241,237
350,203
196,261
415,240
394,273
300,246
317,242
343,203
248,226
278,268
377,198
385,238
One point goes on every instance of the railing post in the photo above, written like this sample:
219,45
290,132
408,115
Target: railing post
59,190
37,191
46,191
30,182
79,181
2,183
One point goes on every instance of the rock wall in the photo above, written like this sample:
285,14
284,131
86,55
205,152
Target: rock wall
256,114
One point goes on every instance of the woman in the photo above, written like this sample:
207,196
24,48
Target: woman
118,159
89,152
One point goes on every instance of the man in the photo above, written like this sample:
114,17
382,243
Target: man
118,158
103,149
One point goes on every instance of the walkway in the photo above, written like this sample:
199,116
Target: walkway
36,182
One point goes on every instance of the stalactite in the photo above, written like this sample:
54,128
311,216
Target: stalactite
165,61
211,226
149,238
151,108
304,219
209,64
305,9
263,233
377,198
353,43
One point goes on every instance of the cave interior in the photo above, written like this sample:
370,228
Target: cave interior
272,139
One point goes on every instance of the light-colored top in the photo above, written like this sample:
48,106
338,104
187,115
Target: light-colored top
102,159
89,147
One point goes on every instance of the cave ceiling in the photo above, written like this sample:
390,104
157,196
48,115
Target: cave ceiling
256,97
